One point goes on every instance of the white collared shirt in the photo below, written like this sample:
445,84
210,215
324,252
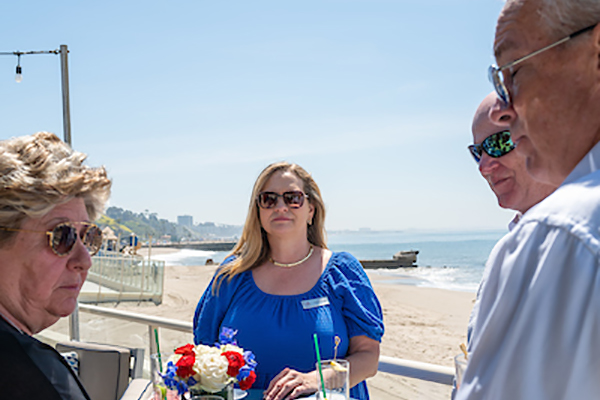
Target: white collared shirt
537,332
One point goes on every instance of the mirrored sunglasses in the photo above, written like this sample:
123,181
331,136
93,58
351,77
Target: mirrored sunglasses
495,146
293,199
63,237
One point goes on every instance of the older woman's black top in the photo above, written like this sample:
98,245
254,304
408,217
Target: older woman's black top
30,369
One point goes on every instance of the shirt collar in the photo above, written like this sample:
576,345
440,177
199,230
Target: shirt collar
587,165
8,321
514,221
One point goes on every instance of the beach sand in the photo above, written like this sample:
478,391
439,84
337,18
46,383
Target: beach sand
421,324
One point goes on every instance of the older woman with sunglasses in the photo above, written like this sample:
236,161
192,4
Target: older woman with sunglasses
281,285
47,202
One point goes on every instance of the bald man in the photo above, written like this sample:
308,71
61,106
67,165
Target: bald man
504,170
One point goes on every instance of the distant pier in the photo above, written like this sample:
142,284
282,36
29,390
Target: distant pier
217,245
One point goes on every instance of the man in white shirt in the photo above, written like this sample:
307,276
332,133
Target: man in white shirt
537,335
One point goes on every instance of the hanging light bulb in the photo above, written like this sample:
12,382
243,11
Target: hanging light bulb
18,76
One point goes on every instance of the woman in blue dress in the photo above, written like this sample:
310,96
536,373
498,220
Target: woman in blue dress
281,285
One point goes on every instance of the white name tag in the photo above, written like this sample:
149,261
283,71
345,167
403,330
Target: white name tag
313,303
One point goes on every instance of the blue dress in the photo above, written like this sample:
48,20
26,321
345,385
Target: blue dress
279,329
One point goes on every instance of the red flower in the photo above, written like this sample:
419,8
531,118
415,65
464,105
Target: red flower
247,383
187,350
184,366
236,361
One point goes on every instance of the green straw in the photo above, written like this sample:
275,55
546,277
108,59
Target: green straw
158,349
319,364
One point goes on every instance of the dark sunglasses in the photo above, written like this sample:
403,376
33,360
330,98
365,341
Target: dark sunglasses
63,237
294,199
495,146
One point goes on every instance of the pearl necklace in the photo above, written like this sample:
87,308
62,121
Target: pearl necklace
294,263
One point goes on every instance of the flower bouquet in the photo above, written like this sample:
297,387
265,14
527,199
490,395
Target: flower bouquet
194,371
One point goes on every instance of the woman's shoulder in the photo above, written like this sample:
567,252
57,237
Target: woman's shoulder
344,261
223,280
228,260
346,265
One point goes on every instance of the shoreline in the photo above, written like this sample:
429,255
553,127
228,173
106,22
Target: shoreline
399,276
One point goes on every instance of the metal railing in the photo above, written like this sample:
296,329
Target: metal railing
124,278
391,365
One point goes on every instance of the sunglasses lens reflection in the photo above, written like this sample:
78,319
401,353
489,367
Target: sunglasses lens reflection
64,237
93,239
495,146
498,144
495,76
267,200
475,150
294,199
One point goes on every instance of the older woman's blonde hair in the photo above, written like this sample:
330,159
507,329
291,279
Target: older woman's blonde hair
253,247
39,172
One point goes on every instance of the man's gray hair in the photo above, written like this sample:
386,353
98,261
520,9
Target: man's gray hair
564,17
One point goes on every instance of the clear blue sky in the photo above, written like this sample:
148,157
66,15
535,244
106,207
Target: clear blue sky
185,102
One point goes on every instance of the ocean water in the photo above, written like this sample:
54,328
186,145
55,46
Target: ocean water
447,260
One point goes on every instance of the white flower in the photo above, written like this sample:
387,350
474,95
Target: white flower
202,349
212,367
231,347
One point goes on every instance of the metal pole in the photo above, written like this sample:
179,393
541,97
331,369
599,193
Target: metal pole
64,69
74,324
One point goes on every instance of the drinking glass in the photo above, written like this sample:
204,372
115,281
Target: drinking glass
460,364
335,379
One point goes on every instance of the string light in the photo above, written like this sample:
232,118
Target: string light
63,51
19,75
19,70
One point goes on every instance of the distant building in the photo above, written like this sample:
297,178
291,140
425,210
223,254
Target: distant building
185,220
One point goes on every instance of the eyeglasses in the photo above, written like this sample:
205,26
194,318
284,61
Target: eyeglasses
495,146
497,78
294,199
63,237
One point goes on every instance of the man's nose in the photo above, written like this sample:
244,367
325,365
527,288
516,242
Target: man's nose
487,164
501,114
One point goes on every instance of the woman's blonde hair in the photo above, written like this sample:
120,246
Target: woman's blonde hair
39,172
253,247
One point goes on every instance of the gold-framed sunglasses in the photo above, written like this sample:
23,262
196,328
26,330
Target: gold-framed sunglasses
62,237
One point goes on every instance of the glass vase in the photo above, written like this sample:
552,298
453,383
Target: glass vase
225,394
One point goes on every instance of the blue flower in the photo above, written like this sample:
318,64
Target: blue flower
250,359
172,381
244,373
227,336
191,381
171,372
